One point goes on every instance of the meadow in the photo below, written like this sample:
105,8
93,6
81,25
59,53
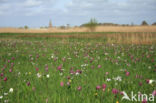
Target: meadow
83,67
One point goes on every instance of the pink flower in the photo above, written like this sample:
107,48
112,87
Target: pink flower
59,68
79,71
98,87
5,79
13,58
121,93
104,86
10,70
154,93
147,81
144,101
61,84
115,91
127,73
99,66
107,73
140,83
68,83
2,74
79,88
8,61
37,69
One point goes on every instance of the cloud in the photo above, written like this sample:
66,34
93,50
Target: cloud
76,12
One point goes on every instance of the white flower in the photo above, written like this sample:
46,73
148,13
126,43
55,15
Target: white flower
6,101
11,90
151,81
47,76
39,75
77,73
5,93
61,74
118,78
108,79
1,97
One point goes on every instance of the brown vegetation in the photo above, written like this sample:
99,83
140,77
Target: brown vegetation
83,29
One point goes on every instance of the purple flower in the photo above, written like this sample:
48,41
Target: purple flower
115,91
28,83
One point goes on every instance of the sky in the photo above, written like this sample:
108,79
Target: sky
37,13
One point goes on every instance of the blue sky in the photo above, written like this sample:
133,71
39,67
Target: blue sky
36,13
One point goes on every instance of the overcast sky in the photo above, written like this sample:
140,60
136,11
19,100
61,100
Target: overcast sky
36,13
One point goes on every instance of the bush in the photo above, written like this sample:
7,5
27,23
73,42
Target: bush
92,25
144,23
26,27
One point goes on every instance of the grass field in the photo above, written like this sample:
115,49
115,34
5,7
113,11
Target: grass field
76,67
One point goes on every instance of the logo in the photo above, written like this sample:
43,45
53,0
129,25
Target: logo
137,97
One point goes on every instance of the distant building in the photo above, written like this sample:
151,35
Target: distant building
50,24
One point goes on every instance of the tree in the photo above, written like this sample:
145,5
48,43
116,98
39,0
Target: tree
154,23
144,23
26,27
92,24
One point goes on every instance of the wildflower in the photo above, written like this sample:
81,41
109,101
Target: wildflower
104,86
1,97
2,74
107,73
108,79
59,67
68,83
28,83
10,70
5,79
144,101
117,101
114,91
47,76
6,101
11,90
79,88
127,73
39,75
140,83
61,84
151,81
70,80
147,81
5,93
37,69
154,93
98,87
29,73
118,78
99,66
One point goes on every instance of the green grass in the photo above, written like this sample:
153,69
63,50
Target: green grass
80,54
